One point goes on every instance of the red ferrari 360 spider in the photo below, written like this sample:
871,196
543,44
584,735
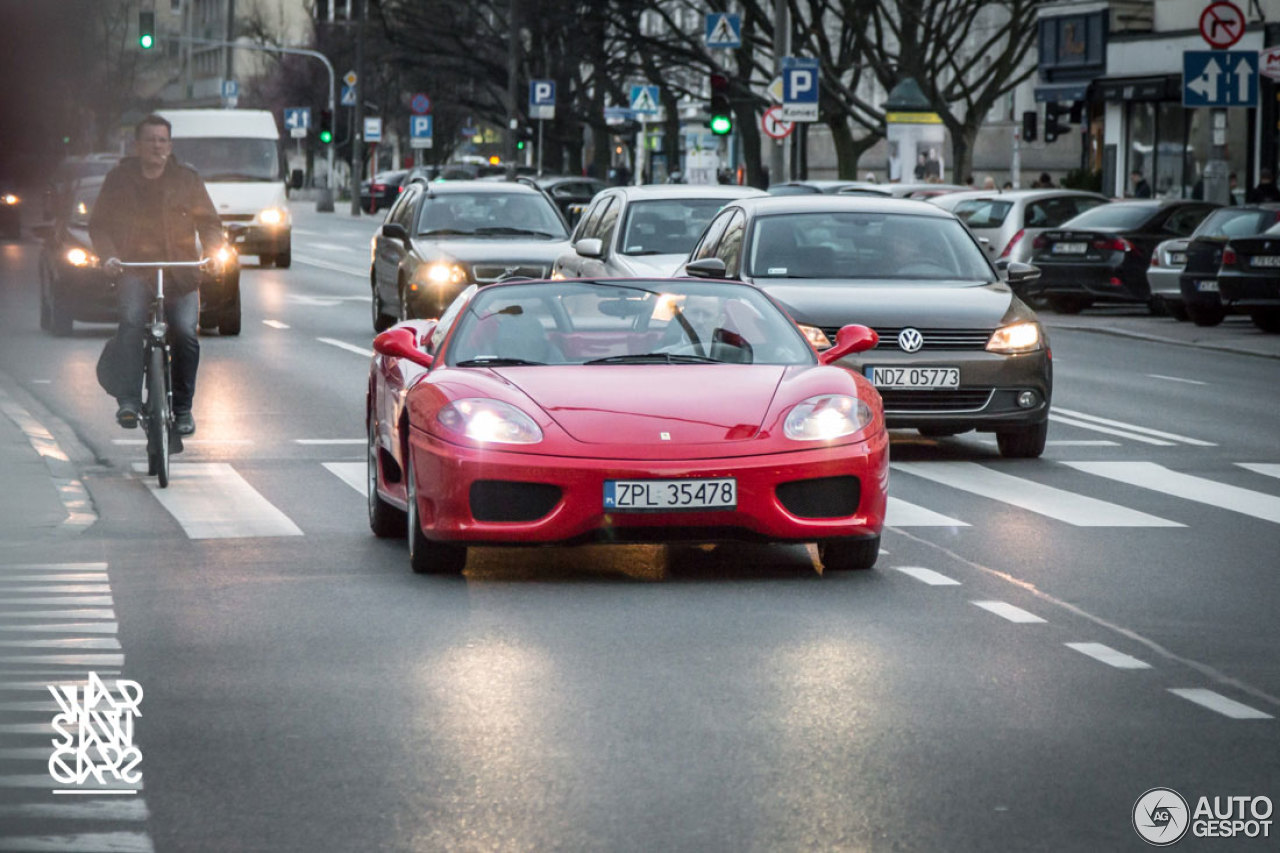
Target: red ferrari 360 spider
622,411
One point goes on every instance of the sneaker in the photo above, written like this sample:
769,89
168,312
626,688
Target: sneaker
184,423
127,414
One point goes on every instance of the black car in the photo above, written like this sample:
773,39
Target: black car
958,350
442,236
68,173
1102,255
383,190
571,194
73,285
1199,281
1249,278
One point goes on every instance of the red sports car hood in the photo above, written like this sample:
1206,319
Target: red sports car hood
642,404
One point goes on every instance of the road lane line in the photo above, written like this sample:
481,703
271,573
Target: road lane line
1056,418
354,474
77,588
1109,656
325,265
1269,469
54,567
319,441
85,842
82,613
1176,379
900,513
79,600
212,501
68,627
928,576
1007,611
1074,509
275,324
67,660
332,247
77,643
1217,702
1173,436
346,346
130,809
1158,478
78,577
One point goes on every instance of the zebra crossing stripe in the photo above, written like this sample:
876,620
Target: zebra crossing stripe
1062,505
1217,702
900,513
354,474
113,808
87,842
1269,469
212,501
1008,611
1132,436
1158,478
1109,656
1172,436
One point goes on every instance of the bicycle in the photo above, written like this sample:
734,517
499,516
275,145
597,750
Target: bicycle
157,410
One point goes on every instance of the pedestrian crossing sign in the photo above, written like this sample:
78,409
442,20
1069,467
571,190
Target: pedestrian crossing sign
644,100
723,30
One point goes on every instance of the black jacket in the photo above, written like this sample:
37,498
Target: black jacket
114,224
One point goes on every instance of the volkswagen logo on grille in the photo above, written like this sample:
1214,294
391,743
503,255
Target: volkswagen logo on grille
910,340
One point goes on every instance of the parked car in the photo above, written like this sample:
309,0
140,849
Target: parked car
442,236
572,194
646,410
1103,254
1008,220
73,285
382,191
958,350
820,187
915,189
643,231
1168,259
1199,280
1249,279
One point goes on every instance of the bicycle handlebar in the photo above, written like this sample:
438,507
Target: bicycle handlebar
152,265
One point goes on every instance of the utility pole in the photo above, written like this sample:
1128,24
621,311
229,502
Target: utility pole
513,68
357,113
780,33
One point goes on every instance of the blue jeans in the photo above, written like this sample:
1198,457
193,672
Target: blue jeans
182,311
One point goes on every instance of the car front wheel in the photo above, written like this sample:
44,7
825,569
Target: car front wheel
1024,442
1268,320
427,557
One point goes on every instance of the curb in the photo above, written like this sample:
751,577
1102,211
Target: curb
71,491
1143,336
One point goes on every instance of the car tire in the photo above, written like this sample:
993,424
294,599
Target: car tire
1157,307
406,310
427,557
846,555
385,520
1206,315
1268,320
1176,310
229,320
284,259
1069,304
1024,442
381,319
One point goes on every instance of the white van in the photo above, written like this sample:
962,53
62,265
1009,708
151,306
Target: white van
239,156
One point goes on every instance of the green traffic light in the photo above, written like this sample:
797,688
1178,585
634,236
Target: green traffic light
721,125
326,137
146,40
520,145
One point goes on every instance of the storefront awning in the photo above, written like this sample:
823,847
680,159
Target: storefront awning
1165,87
1063,92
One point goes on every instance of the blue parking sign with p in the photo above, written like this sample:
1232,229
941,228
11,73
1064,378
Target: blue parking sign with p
420,127
800,85
542,93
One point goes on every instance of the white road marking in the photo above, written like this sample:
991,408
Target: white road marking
1177,379
1149,475
67,660
1134,428
27,707
1007,611
332,247
23,753
275,324
1269,469
353,474
88,842
83,613
368,353
1074,509
50,577
325,265
77,643
67,627
86,588
1217,702
212,501
1056,418
41,381
330,440
900,513
79,600
131,808
54,567
1109,656
1060,442
928,576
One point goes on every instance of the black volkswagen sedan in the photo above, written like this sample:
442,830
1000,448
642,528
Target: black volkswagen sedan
440,237
1206,256
1102,255
958,350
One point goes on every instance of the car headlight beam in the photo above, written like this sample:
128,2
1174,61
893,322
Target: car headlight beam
826,418
273,216
441,273
78,257
489,421
1016,338
9,198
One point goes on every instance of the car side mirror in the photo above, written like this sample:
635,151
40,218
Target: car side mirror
395,231
589,247
1017,272
295,179
705,268
849,339
401,341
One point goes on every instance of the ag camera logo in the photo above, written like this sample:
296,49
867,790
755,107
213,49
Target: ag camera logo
1160,817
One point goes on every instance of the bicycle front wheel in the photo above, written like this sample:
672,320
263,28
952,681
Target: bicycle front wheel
158,417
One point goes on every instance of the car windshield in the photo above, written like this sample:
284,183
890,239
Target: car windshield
843,246
82,205
593,323
1226,222
1118,216
667,226
983,212
485,215
230,159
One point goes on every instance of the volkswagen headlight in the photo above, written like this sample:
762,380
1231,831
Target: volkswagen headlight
1019,337
489,421
273,216
826,417
816,337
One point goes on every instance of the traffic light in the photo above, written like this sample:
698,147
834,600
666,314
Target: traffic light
146,29
326,127
721,116
1029,126
523,137
1053,126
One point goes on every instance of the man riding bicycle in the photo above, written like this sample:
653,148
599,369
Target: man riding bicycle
151,208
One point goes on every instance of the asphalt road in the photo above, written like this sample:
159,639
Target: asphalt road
1042,641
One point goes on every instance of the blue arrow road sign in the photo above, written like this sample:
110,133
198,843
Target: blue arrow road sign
297,118
1219,78
723,30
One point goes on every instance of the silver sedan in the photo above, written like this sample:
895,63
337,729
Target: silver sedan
1164,276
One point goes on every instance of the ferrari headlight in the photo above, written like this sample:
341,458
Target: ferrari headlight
491,421
9,198
273,216
78,257
826,417
1019,337
441,273
817,338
